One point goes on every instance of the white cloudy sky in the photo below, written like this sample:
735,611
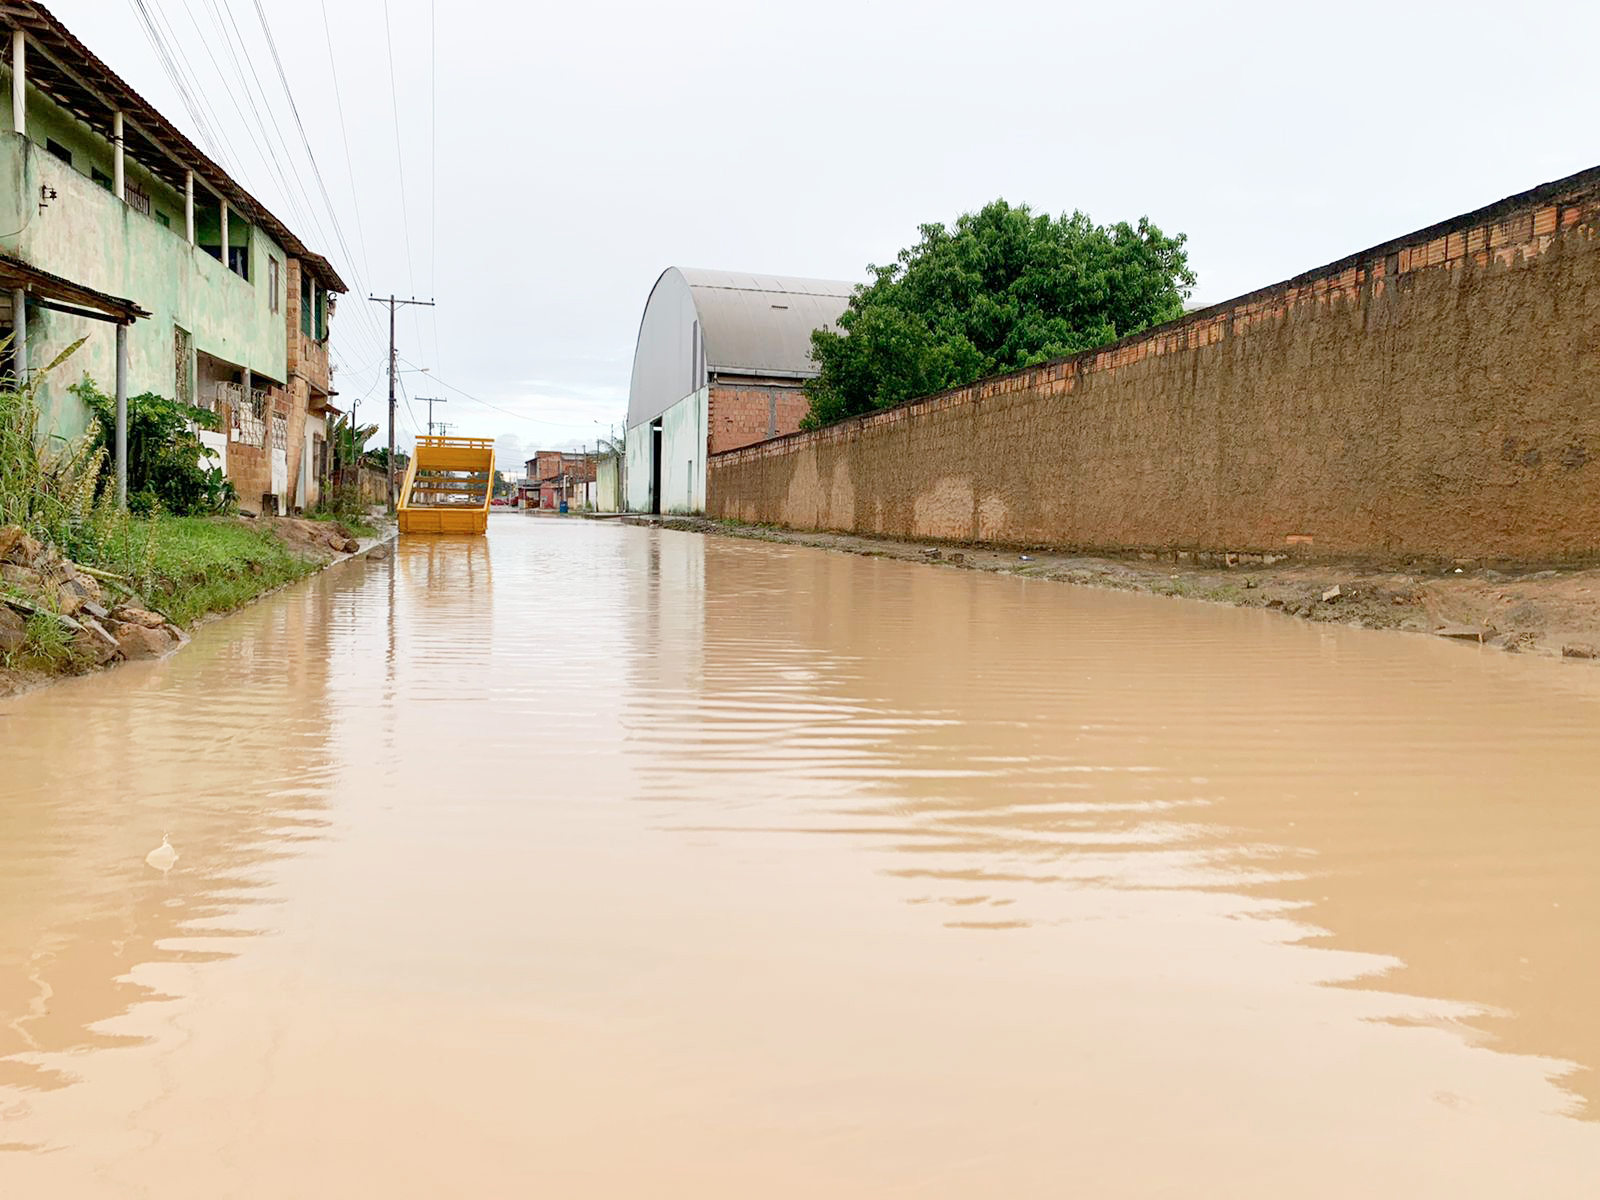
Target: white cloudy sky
573,151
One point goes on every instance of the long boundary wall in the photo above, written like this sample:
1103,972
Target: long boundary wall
1438,395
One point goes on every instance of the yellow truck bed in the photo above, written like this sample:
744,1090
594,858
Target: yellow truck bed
448,486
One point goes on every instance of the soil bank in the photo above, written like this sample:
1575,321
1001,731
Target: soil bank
1549,612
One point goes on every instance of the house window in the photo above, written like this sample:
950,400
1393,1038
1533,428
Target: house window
100,177
272,284
239,261
305,302
166,221
138,198
58,150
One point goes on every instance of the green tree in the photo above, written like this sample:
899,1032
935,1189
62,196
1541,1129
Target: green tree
349,442
168,466
1002,289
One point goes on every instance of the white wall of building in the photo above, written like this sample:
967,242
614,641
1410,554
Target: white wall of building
683,457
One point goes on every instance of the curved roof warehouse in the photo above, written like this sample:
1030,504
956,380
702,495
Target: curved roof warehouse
719,364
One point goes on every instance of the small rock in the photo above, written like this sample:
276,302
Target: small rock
348,546
139,616
13,630
23,550
1466,633
1579,650
10,535
93,609
378,552
958,559
1024,558
95,643
141,641
23,577
68,600
1332,593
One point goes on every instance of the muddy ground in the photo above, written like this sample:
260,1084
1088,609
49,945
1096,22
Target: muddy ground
1549,612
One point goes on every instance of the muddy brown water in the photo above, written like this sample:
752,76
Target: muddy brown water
589,861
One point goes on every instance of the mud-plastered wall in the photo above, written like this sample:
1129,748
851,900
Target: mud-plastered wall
1438,395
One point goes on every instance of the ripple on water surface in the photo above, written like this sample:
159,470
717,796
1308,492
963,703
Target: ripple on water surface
611,861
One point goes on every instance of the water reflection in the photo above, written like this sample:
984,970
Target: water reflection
1030,755
623,862
102,767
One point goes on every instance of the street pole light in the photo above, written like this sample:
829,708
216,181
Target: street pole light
394,303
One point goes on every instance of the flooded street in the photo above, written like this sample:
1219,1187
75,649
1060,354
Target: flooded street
594,861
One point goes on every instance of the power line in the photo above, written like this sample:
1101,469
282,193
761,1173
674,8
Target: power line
305,211
508,412
344,133
215,121
433,169
294,109
394,302
400,163
153,35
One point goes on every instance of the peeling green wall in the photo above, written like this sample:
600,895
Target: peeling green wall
87,235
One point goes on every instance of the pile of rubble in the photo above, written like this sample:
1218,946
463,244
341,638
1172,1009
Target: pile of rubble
100,614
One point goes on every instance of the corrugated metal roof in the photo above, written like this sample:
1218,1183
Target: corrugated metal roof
762,324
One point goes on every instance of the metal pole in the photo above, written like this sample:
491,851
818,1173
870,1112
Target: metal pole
118,173
122,416
393,302
391,405
19,340
431,401
19,81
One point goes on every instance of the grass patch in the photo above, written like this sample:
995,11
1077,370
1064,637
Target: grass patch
358,526
48,643
200,565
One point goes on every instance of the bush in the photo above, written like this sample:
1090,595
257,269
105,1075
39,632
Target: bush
342,503
167,463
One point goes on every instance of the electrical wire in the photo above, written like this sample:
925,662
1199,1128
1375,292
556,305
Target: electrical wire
306,210
158,43
305,141
477,400
433,171
344,133
400,163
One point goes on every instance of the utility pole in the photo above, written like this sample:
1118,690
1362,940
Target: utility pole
394,303
430,401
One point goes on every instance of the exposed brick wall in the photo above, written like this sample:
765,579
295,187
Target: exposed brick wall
744,411
1436,395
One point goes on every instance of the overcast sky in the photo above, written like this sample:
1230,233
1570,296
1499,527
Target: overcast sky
574,151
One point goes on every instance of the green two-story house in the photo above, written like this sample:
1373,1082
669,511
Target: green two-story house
116,228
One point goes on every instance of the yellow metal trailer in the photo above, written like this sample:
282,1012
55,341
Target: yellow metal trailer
448,486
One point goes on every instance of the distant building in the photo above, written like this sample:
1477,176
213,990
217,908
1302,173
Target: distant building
720,363
119,230
556,477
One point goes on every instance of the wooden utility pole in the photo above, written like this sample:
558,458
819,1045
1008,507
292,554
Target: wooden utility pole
394,303
430,401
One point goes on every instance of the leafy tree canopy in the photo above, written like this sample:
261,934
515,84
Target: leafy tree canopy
1002,289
